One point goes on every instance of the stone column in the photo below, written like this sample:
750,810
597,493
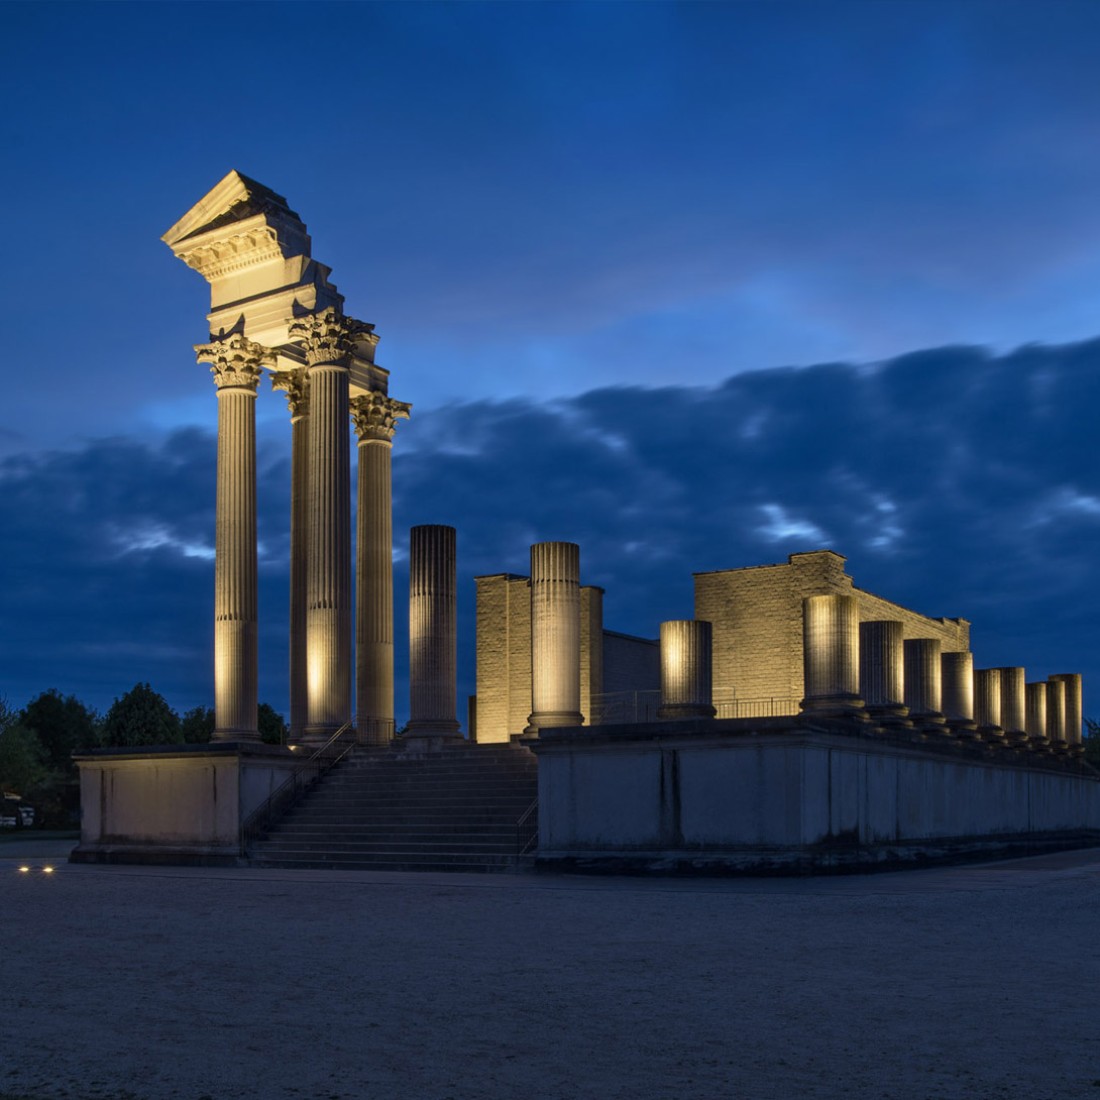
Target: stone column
987,703
295,385
327,340
830,654
236,364
1012,703
432,631
685,670
1074,710
376,417
923,686
957,685
1056,715
555,636
881,670
1035,717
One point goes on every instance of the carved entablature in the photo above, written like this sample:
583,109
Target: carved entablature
375,416
235,362
328,337
295,384
215,259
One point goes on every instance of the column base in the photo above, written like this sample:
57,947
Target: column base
553,720
832,704
965,729
318,735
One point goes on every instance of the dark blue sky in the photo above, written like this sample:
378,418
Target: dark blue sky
595,239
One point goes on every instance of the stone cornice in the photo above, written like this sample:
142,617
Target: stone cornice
217,258
295,384
376,415
328,337
235,362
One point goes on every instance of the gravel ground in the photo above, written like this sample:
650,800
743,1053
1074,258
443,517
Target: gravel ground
166,983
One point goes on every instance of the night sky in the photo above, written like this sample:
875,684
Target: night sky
693,285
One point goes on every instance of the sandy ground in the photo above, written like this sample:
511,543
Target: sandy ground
149,984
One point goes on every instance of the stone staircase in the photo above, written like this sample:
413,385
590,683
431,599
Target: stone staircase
457,809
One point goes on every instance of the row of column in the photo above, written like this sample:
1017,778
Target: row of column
320,539
851,665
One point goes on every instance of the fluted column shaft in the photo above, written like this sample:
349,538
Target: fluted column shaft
236,365
1074,712
295,385
830,655
327,341
686,669
376,417
923,686
555,635
1056,712
1012,699
1035,717
881,670
957,685
987,700
432,630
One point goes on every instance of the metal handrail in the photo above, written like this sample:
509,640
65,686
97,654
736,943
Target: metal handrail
300,780
524,846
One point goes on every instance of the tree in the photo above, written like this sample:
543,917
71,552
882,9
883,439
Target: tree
273,729
141,717
22,760
197,725
63,725
1092,742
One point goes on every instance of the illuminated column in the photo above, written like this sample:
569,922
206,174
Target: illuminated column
326,340
236,365
881,671
432,631
1035,716
957,685
830,654
1074,710
987,703
685,670
1012,703
376,417
295,385
555,636
1056,714
923,686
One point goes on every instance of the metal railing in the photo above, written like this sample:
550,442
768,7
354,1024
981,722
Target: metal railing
527,830
300,780
773,707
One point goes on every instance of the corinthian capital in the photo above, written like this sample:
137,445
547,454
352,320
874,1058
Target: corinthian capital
328,337
295,384
375,416
235,362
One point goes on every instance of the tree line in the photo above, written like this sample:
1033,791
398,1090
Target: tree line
37,742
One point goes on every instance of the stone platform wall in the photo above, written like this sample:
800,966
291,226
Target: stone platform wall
786,795
174,803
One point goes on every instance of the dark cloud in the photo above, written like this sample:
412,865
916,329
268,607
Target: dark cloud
957,482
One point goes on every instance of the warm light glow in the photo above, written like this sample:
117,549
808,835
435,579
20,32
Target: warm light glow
24,870
47,870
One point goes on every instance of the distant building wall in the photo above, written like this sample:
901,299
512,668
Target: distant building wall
630,664
756,617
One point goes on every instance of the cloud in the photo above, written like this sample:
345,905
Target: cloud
956,481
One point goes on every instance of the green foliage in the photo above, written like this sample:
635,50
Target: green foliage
197,725
141,717
273,729
22,760
63,725
1092,742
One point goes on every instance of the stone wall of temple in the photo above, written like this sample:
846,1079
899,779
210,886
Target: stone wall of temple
630,663
756,615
